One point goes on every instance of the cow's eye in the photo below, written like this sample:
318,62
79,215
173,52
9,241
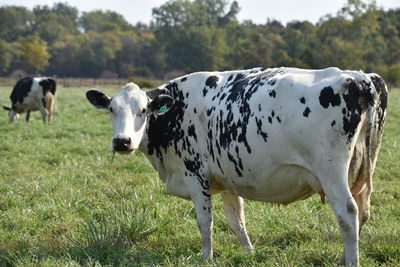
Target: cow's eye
143,111
111,110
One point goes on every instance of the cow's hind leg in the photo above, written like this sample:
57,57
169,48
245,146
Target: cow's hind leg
234,214
346,211
363,203
50,106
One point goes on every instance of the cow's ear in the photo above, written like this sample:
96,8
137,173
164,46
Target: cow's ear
160,104
98,99
6,108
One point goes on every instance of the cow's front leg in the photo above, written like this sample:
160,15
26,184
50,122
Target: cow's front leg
200,195
234,214
28,113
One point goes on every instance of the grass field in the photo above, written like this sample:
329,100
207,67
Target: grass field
63,202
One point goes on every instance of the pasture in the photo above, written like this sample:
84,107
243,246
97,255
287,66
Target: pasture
65,202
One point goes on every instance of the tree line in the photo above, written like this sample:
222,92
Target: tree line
194,35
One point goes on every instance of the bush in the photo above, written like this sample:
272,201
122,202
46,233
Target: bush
146,83
393,75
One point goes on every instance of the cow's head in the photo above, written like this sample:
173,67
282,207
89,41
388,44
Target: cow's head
129,110
12,114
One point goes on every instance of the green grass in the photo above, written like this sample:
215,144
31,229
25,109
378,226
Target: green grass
64,203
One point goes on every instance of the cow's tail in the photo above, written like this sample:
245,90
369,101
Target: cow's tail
375,96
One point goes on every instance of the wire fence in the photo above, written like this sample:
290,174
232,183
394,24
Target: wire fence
74,82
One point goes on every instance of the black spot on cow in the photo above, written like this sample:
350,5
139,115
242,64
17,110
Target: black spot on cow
269,119
192,132
183,79
195,111
302,100
260,132
230,77
205,194
48,85
212,81
272,93
21,90
380,88
328,97
236,165
355,102
333,123
204,91
278,119
209,143
192,165
236,130
306,112
344,111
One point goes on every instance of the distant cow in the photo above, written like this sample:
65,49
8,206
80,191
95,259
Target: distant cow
273,135
30,94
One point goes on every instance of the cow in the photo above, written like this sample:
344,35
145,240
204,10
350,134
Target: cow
31,94
274,135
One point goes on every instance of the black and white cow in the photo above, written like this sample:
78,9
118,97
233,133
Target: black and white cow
31,94
274,135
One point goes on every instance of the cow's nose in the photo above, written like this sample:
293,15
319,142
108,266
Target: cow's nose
122,144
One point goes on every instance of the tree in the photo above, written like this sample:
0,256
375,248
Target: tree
53,24
97,53
15,22
5,56
33,52
102,21
212,13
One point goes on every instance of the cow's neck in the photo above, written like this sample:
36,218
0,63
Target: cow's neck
155,160
163,131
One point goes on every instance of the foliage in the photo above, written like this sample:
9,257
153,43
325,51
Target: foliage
64,202
33,52
100,21
5,56
145,83
194,35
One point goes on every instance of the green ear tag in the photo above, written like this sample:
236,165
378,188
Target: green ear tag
163,109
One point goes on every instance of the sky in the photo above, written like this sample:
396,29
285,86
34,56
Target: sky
256,10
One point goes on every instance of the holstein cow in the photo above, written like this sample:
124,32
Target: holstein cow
273,135
30,94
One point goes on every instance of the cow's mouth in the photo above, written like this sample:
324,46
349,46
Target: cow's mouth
122,144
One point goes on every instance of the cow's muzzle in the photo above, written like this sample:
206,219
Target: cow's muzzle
122,144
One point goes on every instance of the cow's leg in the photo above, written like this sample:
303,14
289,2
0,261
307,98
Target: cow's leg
200,195
44,112
28,113
48,116
234,214
50,106
363,203
346,211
